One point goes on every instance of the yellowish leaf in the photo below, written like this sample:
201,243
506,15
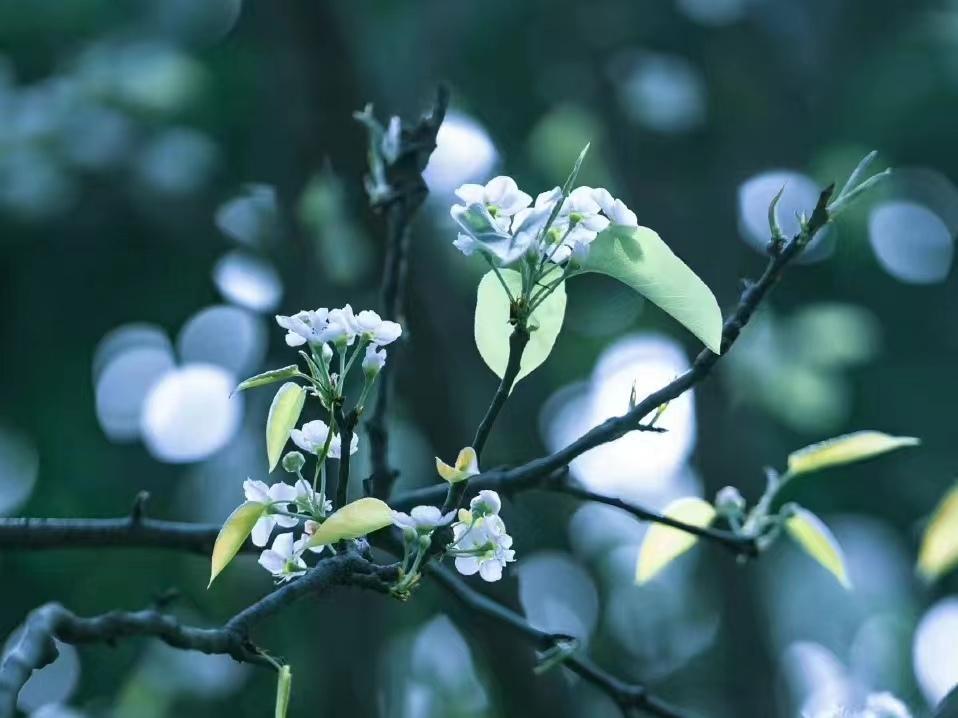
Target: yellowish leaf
236,529
353,520
283,415
817,540
939,545
467,465
845,449
284,684
663,544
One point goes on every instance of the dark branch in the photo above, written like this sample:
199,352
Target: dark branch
628,696
36,647
347,426
517,345
396,187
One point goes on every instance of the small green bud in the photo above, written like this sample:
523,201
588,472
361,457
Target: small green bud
729,501
327,353
425,541
293,462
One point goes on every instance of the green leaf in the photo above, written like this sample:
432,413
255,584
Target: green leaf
640,259
353,520
236,529
845,450
817,540
492,328
284,684
663,544
269,377
939,545
282,418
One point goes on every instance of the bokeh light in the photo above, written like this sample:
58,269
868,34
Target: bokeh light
251,217
19,465
229,337
464,153
934,650
557,594
663,93
248,281
911,242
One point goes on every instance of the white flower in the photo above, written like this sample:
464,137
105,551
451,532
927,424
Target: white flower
501,197
486,503
614,209
278,496
422,519
379,331
885,705
480,231
283,560
483,546
340,326
304,326
310,500
374,360
578,223
312,438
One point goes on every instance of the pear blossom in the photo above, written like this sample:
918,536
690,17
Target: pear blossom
312,438
481,232
310,500
278,496
482,546
309,528
304,326
485,503
379,331
340,326
422,519
374,360
578,223
500,197
614,209
283,560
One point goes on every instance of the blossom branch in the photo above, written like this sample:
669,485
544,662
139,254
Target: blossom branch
517,345
395,186
36,647
628,696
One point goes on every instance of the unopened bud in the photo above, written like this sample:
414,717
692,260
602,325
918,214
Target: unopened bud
729,500
293,462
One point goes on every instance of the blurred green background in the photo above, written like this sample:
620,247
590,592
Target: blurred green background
173,172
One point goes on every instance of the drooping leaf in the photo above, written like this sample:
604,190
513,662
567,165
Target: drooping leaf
818,542
640,259
268,377
353,520
663,544
939,545
282,418
236,529
492,328
845,449
284,684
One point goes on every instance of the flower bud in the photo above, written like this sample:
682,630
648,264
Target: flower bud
425,541
293,462
729,501
374,361
327,353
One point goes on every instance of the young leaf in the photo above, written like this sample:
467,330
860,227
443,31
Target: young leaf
640,259
817,540
844,450
663,544
939,545
236,529
492,328
284,684
269,377
353,520
282,418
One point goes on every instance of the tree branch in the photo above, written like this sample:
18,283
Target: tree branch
628,696
396,187
36,647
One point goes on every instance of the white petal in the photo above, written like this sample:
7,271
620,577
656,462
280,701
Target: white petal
256,491
282,492
285,522
467,565
295,340
386,333
472,193
466,244
272,561
300,440
283,545
262,529
426,515
402,520
490,570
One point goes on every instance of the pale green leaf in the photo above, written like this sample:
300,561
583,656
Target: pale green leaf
939,545
639,258
282,418
844,450
269,377
493,329
353,520
663,544
236,529
817,540
284,684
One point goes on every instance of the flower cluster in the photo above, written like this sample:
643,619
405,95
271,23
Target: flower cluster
877,705
497,219
285,507
480,542
337,326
